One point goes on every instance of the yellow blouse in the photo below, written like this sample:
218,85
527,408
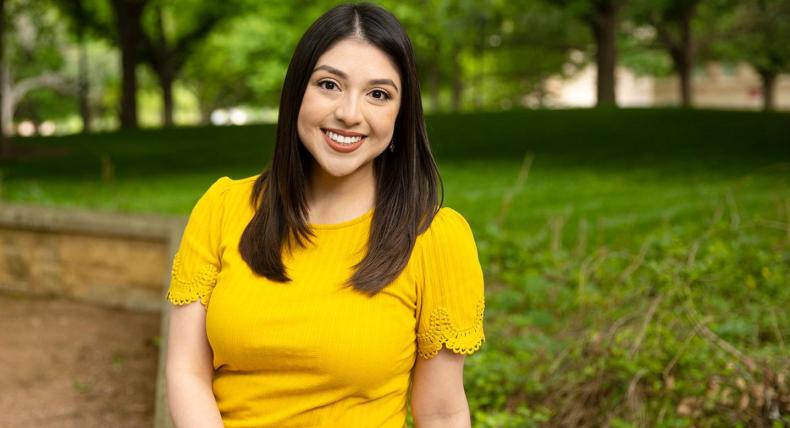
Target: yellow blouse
311,353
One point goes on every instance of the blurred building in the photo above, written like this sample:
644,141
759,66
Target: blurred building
715,85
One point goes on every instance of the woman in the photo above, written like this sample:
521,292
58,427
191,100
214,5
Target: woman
332,288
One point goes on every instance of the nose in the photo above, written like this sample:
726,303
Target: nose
348,111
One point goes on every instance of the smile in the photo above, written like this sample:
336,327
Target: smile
343,143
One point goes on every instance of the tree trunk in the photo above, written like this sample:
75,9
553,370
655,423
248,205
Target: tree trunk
681,61
7,103
458,86
604,28
768,80
204,105
83,87
15,91
686,54
167,54
433,82
480,54
681,49
128,14
163,66
205,115
4,149
166,83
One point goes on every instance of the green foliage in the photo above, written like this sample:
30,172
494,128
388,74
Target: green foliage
471,55
35,46
511,49
245,60
34,38
687,327
654,36
763,41
639,53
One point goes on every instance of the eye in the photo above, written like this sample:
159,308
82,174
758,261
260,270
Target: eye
327,84
382,95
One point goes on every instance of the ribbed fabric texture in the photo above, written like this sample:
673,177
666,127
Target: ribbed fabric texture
312,353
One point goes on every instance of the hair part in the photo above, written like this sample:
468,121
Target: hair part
409,189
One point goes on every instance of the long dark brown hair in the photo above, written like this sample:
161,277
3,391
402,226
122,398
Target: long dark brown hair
409,190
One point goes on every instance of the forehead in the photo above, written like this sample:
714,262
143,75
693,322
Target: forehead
360,59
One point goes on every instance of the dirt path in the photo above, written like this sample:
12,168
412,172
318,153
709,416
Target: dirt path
71,364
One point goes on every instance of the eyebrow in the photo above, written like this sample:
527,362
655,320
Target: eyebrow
343,75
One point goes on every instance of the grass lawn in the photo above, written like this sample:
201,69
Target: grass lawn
620,172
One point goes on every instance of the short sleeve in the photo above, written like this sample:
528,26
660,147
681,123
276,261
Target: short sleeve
197,260
450,292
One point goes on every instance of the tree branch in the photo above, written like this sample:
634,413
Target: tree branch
45,80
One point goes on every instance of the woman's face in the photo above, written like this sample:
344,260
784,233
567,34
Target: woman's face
348,112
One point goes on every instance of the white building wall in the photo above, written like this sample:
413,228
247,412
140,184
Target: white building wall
715,86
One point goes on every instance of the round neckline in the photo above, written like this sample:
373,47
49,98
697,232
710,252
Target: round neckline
343,224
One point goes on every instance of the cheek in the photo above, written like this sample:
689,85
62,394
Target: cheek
385,121
311,108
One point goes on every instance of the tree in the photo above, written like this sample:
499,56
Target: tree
151,31
452,37
3,142
603,22
224,71
33,58
539,41
76,10
602,18
489,55
686,30
672,20
128,19
119,21
764,42
167,51
245,58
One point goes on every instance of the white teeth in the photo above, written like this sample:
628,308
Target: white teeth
342,139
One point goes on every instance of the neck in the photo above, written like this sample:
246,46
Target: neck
333,199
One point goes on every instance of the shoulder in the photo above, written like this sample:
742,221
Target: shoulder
225,199
448,217
227,191
225,185
448,236
448,226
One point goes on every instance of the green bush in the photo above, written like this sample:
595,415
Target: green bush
686,328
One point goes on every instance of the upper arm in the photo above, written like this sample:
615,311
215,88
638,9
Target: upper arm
188,349
438,385
195,268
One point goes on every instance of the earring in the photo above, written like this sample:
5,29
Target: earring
392,146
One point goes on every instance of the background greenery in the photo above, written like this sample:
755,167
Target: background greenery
76,64
637,261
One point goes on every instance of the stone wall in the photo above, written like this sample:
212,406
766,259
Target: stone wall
117,260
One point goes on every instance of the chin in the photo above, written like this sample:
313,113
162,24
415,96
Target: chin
338,169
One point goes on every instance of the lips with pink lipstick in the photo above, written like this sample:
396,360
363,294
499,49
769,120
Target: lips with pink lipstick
343,141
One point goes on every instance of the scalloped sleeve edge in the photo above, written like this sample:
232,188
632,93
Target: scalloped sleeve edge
182,292
442,331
